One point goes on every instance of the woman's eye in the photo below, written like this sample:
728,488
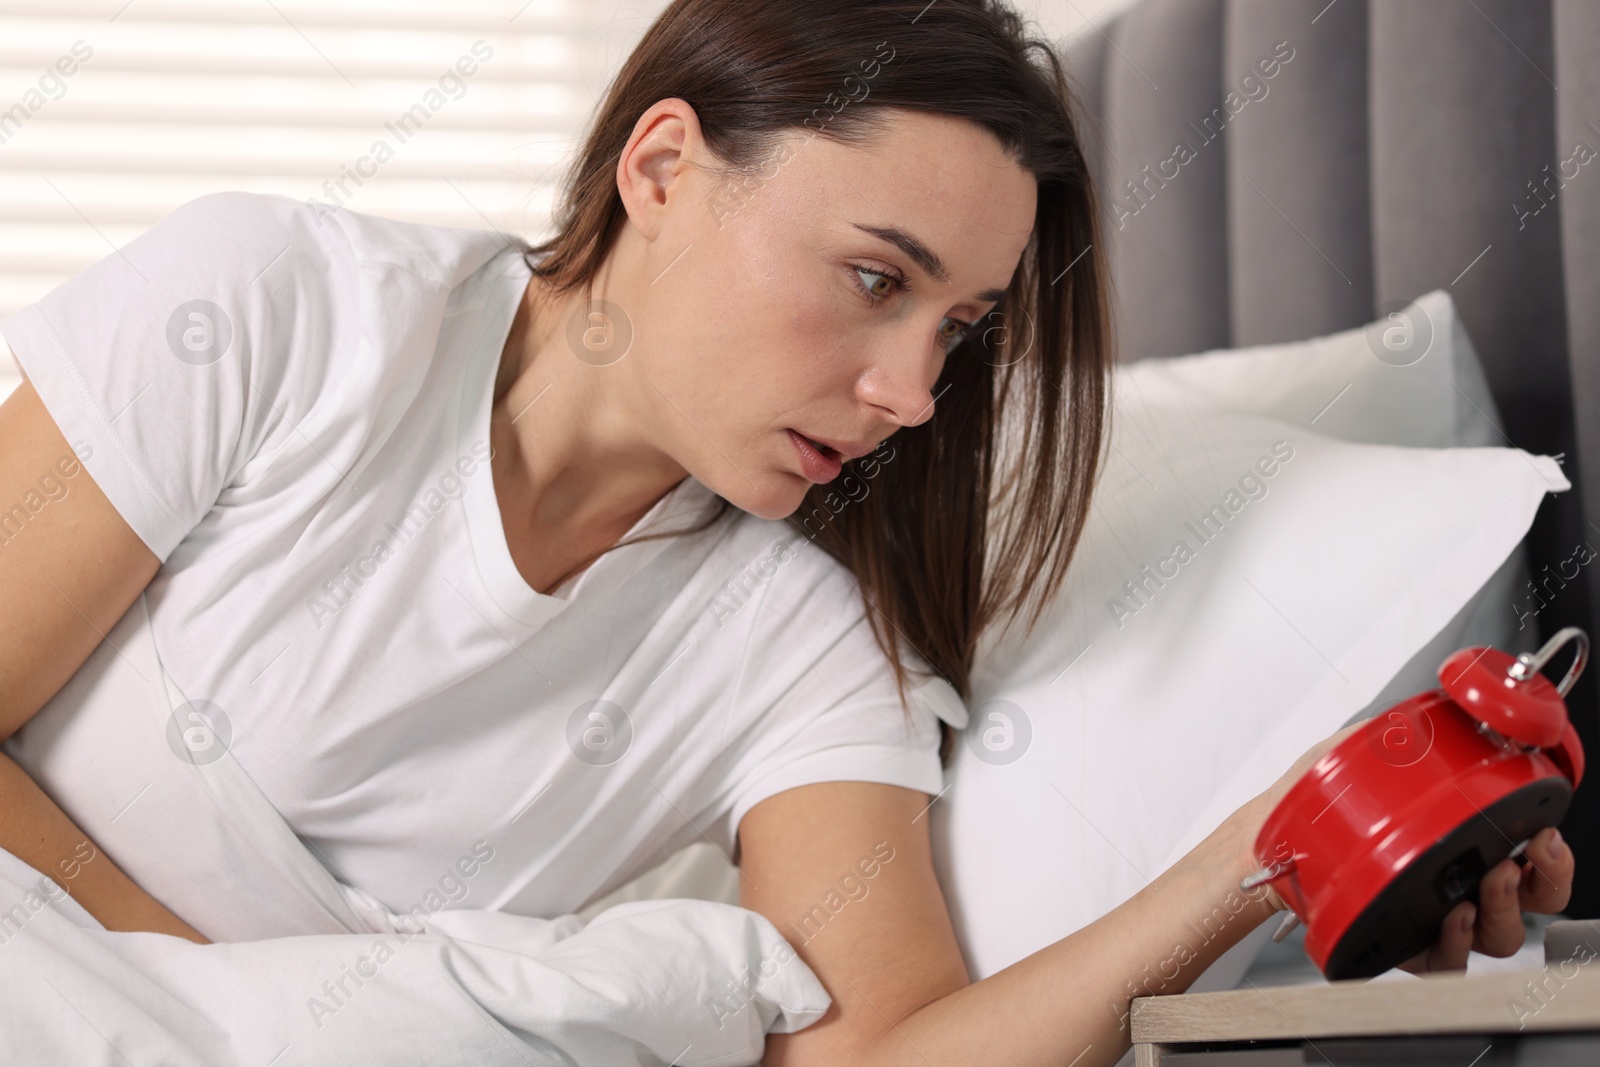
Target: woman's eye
952,332
880,286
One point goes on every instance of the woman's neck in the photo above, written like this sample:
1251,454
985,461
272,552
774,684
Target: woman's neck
573,443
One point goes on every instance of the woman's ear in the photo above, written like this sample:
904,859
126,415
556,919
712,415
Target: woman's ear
654,164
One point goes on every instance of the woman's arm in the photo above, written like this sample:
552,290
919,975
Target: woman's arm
901,994
70,566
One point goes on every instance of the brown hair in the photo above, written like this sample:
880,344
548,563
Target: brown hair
987,499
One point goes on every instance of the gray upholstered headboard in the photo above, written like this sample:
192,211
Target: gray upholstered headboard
1408,145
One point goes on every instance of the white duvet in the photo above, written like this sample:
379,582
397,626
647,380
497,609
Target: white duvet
307,970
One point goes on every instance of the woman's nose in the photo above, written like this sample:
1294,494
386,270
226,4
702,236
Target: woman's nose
901,380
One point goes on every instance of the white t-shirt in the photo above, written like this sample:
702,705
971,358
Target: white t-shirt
292,412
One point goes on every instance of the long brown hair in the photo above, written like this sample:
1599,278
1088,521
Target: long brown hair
983,504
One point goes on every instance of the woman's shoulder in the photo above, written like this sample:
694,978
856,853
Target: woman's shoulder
780,582
325,303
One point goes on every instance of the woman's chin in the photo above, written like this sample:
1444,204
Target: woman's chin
781,497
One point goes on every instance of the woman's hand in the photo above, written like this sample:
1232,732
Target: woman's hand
1245,824
1493,926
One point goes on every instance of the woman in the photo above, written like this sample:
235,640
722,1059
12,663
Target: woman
372,477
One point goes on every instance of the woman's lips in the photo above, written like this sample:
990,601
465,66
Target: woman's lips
818,462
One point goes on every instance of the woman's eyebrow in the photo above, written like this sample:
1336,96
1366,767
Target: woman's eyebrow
922,255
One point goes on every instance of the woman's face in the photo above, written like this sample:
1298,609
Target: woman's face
820,296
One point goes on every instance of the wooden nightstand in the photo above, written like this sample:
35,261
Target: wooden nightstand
1548,1017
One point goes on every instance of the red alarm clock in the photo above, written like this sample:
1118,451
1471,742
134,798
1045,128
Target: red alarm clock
1397,824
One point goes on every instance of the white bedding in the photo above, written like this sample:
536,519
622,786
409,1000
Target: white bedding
652,982
306,970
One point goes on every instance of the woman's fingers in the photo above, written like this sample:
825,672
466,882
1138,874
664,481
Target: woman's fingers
1499,926
1494,926
1546,882
1449,953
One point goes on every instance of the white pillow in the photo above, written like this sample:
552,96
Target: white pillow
1136,723
1410,377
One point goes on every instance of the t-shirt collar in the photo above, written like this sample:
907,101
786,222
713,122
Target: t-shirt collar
504,280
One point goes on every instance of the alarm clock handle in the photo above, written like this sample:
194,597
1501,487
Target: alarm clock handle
1568,752
1527,663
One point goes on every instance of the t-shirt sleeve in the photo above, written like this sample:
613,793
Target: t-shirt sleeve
165,364
840,718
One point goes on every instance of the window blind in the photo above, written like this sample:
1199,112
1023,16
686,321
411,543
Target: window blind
453,112
114,112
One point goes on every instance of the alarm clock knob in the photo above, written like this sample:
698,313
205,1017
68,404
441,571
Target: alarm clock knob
1508,694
